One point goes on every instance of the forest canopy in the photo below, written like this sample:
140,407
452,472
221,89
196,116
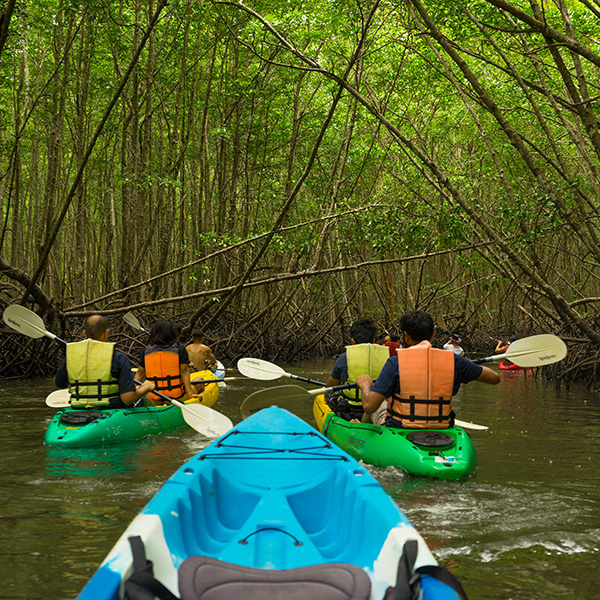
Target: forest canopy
294,165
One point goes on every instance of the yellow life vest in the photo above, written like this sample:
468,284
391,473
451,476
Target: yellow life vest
426,382
365,359
88,368
162,367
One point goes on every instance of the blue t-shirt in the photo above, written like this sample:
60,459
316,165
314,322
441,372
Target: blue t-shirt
388,382
120,369
340,369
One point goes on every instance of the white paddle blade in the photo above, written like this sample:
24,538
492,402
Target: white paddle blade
59,399
133,321
255,368
536,351
204,420
25,321
467,425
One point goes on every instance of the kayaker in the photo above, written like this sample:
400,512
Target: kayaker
362,356
454,344
392,341
419,381
501,347
200,354
97,375
166,362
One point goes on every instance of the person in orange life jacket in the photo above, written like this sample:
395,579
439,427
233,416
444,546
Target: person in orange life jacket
409,369
166,362
96,328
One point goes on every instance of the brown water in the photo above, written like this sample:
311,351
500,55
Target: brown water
525,526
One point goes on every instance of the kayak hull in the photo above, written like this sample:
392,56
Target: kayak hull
122,424
509,366
271,494
424,455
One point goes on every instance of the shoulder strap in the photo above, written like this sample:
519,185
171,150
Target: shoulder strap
408,579
142,585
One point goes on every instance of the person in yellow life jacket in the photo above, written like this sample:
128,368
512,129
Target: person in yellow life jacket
362,356
166,363
97,375
420,380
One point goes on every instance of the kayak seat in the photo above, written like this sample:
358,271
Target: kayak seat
84,417
430,439
205,578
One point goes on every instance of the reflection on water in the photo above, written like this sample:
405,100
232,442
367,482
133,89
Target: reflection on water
525,526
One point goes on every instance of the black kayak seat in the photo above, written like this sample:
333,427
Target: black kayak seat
430,439
205,578
83,417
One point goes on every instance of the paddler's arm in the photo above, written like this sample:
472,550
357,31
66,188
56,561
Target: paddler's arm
371,401
130,398
184,371
140,374
211,360
332,381
489,376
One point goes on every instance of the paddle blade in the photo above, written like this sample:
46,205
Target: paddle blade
25,321
284,396
467,425
59,399
255,368
204,420
133,321
536,351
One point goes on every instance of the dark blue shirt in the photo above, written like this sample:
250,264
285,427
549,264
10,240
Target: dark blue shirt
340,369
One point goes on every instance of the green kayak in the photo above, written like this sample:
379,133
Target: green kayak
79,428
445,454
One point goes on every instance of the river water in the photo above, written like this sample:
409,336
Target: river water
525,526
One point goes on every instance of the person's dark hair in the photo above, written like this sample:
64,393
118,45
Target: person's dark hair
163,333
95,326
418,324
363,331
394,337
197,332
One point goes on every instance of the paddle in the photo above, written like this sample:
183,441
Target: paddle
533,351
132,320
197,416
25,321
289,396
255,368
485,334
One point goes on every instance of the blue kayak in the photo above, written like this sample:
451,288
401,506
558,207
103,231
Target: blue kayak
271,507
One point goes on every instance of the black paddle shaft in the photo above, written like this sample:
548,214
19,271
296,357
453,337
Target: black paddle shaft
307,380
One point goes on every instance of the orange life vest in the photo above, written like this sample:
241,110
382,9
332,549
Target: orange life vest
426,381
162,367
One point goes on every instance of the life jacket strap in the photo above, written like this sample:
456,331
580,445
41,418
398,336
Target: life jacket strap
413,403
100,386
